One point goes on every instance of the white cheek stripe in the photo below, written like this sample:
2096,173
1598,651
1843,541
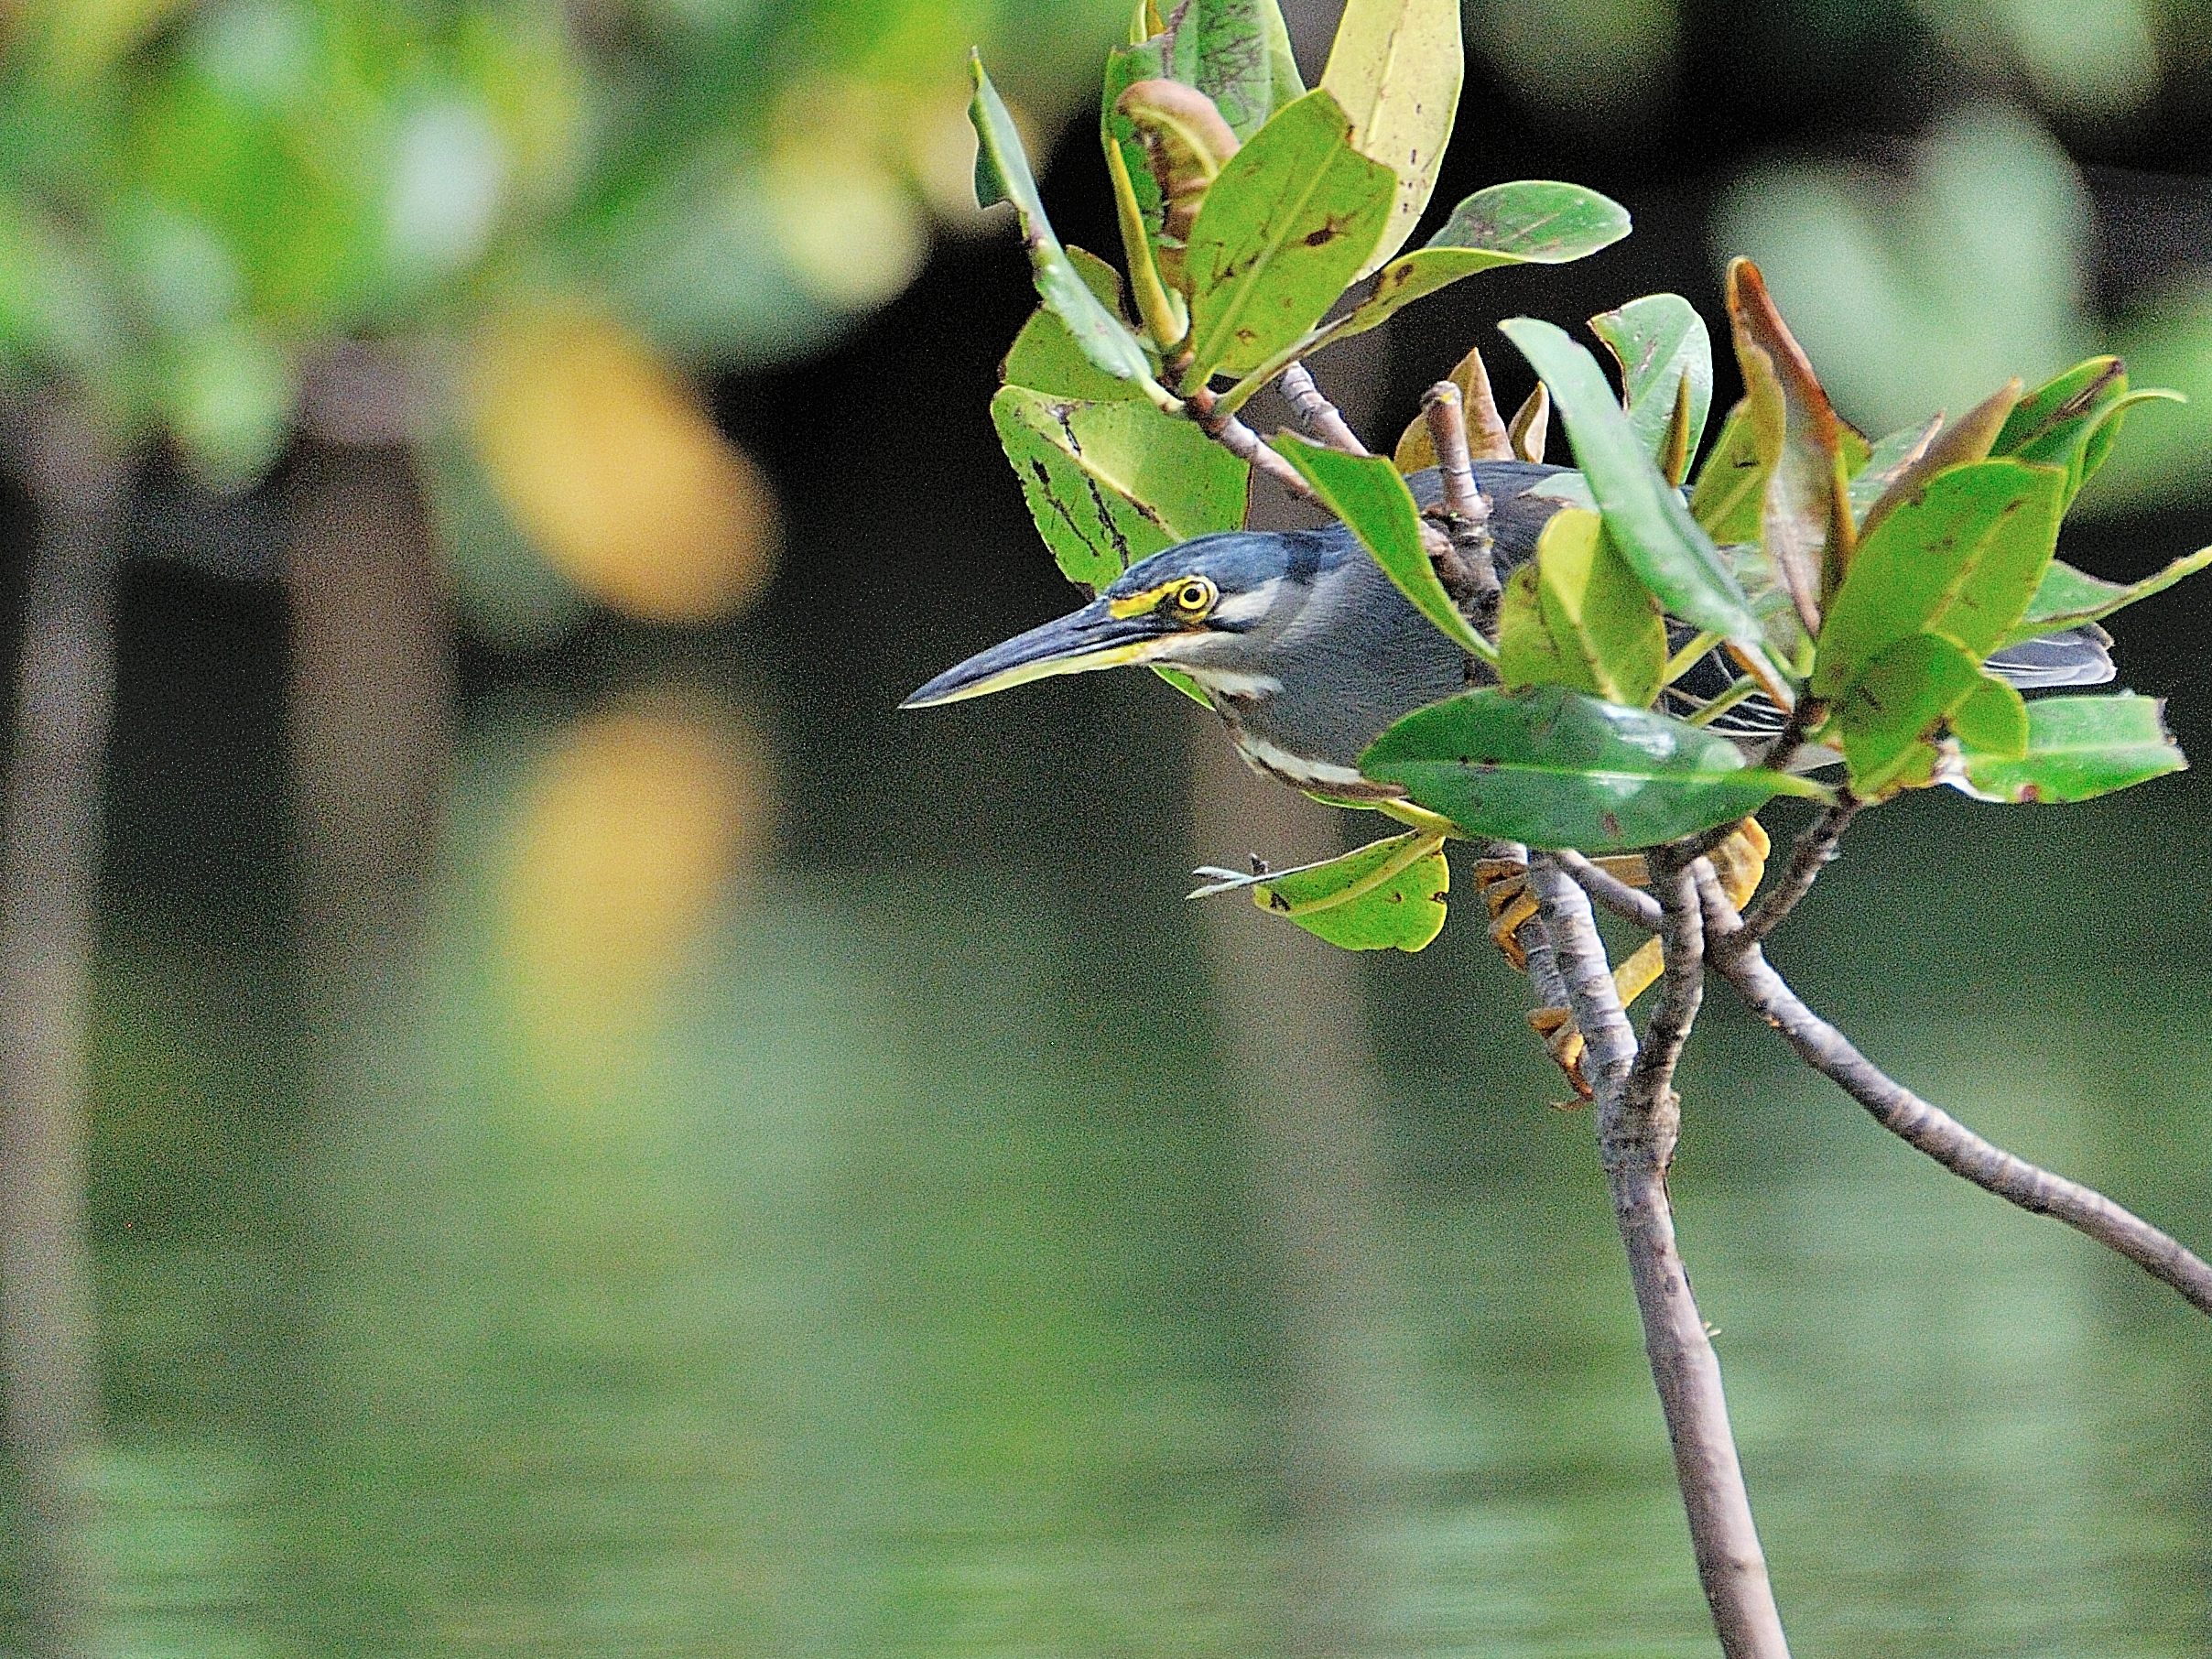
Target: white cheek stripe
1234,682
1248,606
1279,760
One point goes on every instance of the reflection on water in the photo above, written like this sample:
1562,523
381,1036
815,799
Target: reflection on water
622,1241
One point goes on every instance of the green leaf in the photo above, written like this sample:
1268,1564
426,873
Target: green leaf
1731,490
2079,748
1183,682
1125,65
1887,462
1235,66
1644,515
1002,174
1285,85
2068,598
1186,144
1370,496
1045,356
1108,483
1993,721
2070,421
1961,559
1527,654
1959,444
1804,521
1661,345
1285,227
1888,724
1531,222
1395,67
1387,895
1554,768
1597,629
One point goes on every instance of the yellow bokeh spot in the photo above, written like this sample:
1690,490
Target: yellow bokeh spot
849,228
610,466
630,835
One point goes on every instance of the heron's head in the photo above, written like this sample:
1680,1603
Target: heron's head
1209,607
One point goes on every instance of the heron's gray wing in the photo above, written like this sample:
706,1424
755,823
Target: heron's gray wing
2079,656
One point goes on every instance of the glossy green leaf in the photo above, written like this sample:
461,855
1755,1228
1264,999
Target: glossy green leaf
1530,221
1045,356
2070,421
1387,895
1108,483
1804,521
1888,724
1370,496
1644,515
1554,768
1961,559
1395,67
1662,346
1002,174
1731,490
1284,229
2068,598
1602,624
2079,748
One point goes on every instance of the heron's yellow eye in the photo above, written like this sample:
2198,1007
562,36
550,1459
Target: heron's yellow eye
1195,597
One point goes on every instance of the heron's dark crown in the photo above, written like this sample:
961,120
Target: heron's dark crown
1235,561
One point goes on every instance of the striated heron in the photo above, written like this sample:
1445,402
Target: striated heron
1308,652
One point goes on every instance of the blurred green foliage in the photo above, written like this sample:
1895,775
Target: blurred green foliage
200,201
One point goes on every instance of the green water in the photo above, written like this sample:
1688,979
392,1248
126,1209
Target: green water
649,1232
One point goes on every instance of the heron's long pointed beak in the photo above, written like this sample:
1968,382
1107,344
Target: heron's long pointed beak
1091,638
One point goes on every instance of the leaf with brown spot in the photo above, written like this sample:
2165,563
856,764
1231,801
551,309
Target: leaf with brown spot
1259,278
1395,67
1108,483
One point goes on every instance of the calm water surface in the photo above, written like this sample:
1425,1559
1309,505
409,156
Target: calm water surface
700,1207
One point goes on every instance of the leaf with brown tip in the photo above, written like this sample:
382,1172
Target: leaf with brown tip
1486,437
1804,518
1961,444
1532,423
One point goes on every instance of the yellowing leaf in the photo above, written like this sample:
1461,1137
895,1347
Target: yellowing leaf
1486,438
1396,67
1806,519
610,466
1601,616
